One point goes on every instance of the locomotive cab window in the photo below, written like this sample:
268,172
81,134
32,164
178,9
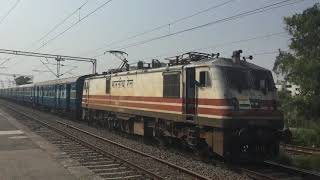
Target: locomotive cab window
108,85
171,85
204,79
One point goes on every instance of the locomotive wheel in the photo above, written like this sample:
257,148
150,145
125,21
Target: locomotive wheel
125,126
109,123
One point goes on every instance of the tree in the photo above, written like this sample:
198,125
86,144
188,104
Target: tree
301,64
21,80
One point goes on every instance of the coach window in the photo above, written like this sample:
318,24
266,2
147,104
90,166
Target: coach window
171,85
108,85
204,79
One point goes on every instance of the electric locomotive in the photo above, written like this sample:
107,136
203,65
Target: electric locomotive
227,107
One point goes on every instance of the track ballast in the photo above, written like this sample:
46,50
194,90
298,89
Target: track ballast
99,154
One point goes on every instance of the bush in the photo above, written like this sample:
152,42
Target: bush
306,137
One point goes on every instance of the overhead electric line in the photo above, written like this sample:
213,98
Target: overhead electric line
265,53
10,10
74,24
4,61
50,70
54,28
237,16
61,22
215,45
58,59
164,25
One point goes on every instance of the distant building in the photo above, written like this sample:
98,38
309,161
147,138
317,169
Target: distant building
289,87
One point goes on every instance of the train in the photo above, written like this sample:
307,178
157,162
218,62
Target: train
226,107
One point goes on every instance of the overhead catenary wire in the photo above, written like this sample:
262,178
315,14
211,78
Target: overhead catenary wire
253,54
265,53
54,28
237,16
4,61
74,24
10,10
164,25
3,18
61,22
46,65
215,45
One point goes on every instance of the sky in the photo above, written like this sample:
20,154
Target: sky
24,26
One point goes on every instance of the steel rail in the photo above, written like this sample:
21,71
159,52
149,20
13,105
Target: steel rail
255,174
300,149
92,146
278,168
184,170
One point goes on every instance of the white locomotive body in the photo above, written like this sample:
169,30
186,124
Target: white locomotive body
219,105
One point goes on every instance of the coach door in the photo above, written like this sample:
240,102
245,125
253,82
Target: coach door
190,95
68,92
38,95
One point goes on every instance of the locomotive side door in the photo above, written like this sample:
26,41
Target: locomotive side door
190,93
86,90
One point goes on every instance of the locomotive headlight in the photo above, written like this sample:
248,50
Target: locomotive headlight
235,104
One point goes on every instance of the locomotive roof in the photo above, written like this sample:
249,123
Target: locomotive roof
227,62
222,62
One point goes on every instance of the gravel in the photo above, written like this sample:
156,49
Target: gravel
182,159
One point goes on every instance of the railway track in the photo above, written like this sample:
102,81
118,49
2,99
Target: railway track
300,149
104,157
274,171
78,144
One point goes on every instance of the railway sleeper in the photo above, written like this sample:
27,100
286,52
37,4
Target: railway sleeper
109,170
126,177
85,160
124,173
97,163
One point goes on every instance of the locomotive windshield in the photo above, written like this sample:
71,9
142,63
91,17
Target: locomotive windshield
262,80
243,79
237,78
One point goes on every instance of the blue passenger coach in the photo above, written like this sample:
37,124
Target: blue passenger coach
61,95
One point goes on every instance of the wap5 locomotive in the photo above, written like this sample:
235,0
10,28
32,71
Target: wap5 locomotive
224,106
227,106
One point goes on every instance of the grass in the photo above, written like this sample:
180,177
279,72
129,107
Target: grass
309,162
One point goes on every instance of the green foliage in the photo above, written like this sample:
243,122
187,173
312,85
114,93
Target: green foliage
306,137
301,65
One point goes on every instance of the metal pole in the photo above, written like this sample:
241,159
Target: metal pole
58,58
94,66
